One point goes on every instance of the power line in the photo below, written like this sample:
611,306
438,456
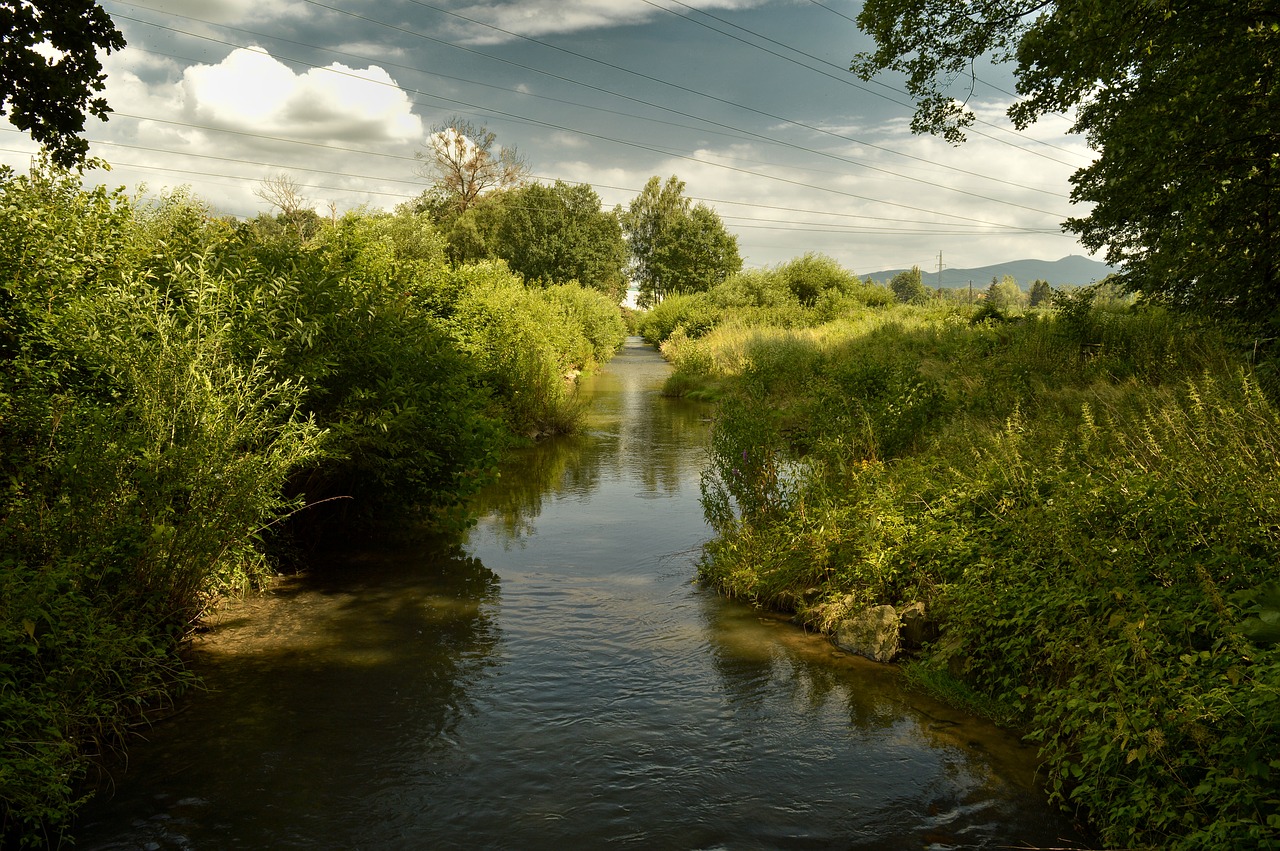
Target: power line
843,78
695,92
629,143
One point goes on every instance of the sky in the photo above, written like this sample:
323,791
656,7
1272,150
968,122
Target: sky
749,102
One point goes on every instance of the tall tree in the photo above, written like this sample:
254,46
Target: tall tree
1041,293
908,286
49,70
676,247
1004,293
464,162
1179,98
560,233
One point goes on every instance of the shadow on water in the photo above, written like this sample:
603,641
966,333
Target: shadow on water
923,775
558,682
308,692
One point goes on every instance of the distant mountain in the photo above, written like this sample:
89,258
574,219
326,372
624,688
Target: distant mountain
1072,270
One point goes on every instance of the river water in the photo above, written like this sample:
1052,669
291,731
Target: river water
557,681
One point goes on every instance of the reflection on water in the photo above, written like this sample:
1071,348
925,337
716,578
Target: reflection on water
558,682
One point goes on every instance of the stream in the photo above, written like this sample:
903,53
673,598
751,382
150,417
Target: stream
556,680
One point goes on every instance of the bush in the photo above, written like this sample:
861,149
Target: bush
596,315
142,463
696,314
518,341
1086,503
174,386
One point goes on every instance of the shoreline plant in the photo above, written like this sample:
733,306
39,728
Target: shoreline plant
1084,500
174,386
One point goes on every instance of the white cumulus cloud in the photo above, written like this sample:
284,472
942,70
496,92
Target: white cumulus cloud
254,92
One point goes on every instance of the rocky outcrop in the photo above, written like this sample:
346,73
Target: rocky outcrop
880,633
873,633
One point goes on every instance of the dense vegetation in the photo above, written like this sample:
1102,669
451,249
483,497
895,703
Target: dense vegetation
175,385
1176,98
1083,497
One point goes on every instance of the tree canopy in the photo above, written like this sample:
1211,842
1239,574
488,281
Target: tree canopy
49,70
559,233
676,247
908,286
1178,97
548,234
464,161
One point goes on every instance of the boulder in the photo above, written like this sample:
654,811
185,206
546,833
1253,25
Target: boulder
917,629
873,633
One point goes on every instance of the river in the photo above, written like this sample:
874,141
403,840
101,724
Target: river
557,681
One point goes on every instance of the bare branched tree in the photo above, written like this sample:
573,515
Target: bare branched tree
282,192
464,161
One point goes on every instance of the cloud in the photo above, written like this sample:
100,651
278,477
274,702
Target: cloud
535,18
344,134
229,11
251,91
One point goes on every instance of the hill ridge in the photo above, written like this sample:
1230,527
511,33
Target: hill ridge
1072,270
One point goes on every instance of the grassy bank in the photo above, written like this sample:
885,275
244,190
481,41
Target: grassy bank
1085,500
175,386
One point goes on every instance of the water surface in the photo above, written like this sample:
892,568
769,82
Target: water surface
557,681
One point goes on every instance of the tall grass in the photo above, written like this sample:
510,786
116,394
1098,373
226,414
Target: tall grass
1085,502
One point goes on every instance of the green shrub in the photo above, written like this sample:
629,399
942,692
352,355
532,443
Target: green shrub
596,315
695,313
142,463
522,346
1086,503
170,382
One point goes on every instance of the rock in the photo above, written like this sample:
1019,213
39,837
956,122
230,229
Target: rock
873,633
917,629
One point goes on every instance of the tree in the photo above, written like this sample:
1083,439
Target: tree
1179,99
813,274
1004,293
47,92
676,247
558,234
908,286
464,162
283,193
1041,293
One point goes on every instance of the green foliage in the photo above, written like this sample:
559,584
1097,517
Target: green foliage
676,248
596,314
815,275
49,96
142,461
1004,295
1154,87
559,234
1085,503
908,287
694,314
524,347
752,288
546,234
1040,294
173,386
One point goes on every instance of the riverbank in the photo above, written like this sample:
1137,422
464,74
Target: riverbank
1083,501
558,682
177,388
